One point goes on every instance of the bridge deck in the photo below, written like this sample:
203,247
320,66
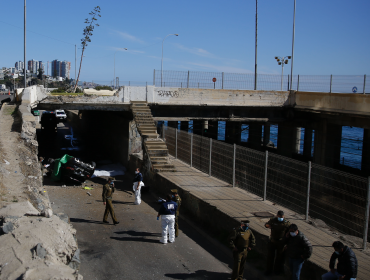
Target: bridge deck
239,204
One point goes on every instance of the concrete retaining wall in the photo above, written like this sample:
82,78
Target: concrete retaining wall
193,96
358,104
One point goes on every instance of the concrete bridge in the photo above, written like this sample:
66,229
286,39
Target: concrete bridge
324,113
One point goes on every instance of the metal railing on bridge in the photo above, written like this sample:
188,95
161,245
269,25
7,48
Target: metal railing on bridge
339,199
314,83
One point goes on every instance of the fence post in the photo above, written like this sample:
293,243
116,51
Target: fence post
298,84
364,83
308,190
331,81
366,224
288,83
163,132
154,77
223,80
188,79
210,157
265,180
176,144
234,157
191,150
181,84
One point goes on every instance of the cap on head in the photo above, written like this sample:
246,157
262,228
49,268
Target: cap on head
280,213
174,191
111,179
245,222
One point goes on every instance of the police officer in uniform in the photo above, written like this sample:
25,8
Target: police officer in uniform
275,255
241,240
176,198
108,190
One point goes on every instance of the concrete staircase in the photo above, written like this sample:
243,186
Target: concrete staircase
155,147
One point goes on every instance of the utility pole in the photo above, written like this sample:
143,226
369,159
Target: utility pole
255,55
75,62
291,68
25,71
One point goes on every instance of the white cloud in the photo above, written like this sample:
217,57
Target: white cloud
129,37
196,51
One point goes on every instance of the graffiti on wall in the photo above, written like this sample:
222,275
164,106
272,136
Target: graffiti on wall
168,93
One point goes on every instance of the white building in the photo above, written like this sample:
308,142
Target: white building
19,65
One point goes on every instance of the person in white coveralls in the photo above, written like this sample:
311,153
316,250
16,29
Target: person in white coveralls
138,183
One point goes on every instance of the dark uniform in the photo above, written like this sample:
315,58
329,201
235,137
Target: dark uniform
240,239
275,252
107,194
177,199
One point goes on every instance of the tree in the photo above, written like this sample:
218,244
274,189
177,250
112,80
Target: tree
88,32
39,75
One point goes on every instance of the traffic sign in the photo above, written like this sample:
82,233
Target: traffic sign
214,80
354,89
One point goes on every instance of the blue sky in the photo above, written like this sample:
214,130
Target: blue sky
332,36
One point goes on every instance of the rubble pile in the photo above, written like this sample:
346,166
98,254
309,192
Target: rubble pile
34,243
37,245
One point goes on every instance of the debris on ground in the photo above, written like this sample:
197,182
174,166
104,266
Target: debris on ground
109,170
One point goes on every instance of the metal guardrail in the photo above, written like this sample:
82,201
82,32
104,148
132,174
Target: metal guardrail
237,81
340,199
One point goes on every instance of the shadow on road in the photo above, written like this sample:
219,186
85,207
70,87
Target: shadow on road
138,233
199,274
136,239
76,220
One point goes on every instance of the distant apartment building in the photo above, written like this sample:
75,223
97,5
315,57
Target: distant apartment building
60,68
34,66
19,65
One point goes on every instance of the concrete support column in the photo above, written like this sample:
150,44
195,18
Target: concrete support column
365,163
327,144
233,132
173,124
307,143
266,134
213,129
197,127
298,137
184,125
255,136
287,140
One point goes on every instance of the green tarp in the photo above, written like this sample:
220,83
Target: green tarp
57,165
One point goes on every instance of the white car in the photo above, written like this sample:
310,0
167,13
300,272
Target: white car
61,115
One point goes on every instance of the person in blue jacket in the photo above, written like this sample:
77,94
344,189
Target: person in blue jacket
168,212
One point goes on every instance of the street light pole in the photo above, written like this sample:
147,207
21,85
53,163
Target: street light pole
25,71
291,69
281,61
255,54
162,56
114,78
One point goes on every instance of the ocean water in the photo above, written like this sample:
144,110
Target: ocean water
351,142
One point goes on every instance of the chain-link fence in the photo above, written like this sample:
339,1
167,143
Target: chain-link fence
319,83
340,199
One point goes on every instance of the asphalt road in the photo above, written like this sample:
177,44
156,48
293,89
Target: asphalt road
131,249
2,97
